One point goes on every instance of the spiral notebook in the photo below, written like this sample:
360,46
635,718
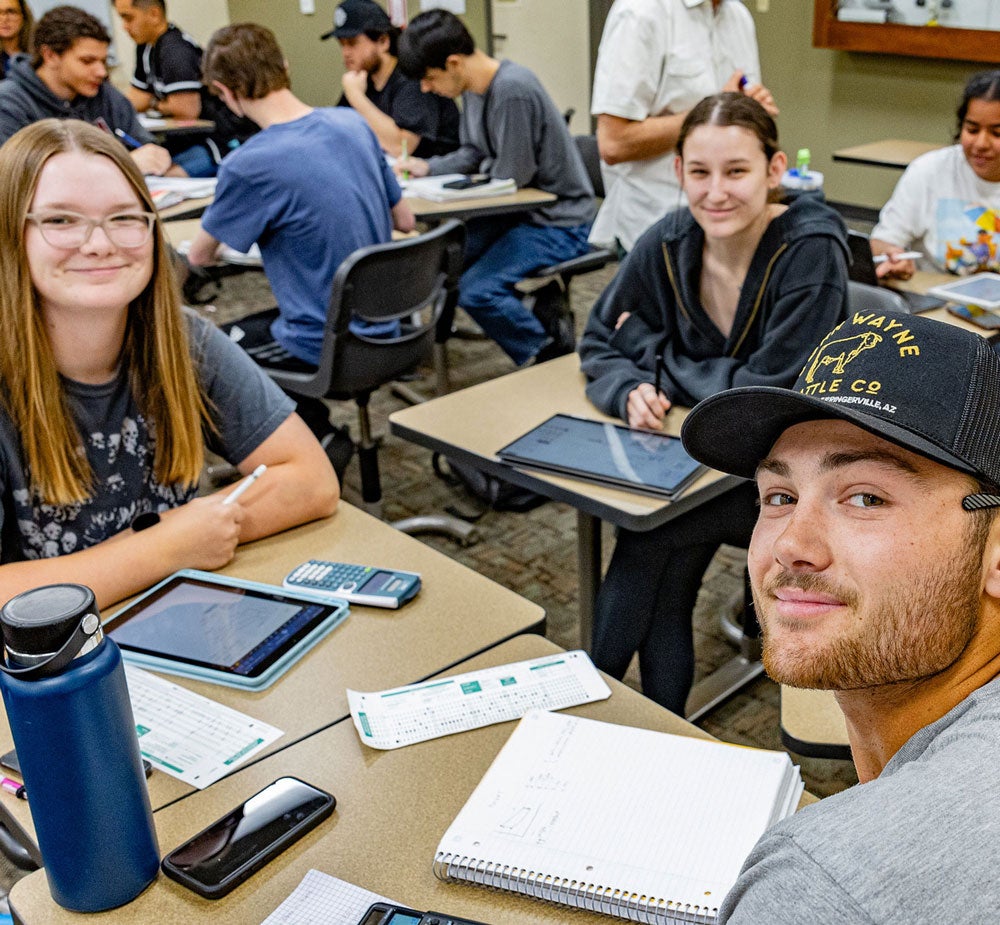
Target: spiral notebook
634,823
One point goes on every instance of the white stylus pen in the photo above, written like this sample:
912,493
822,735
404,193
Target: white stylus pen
906,255
245,484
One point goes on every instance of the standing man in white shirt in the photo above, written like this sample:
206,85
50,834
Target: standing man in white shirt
658,58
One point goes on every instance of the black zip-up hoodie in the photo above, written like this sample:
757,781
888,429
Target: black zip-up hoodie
794,293
24,99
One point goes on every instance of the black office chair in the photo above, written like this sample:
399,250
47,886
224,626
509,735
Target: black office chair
413,281
865,298
550,300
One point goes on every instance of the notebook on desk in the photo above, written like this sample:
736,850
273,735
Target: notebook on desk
640,824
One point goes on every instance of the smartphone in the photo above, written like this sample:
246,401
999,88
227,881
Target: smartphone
476,179
975,314
221,857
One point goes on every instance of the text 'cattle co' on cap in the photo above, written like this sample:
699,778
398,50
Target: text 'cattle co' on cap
925,385
353,17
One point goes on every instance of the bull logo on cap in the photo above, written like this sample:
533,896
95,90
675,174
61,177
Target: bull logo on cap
849,348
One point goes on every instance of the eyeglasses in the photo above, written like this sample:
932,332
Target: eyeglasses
69,230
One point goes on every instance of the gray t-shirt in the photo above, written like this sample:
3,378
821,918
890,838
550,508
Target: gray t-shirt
514,131
917,844
246,408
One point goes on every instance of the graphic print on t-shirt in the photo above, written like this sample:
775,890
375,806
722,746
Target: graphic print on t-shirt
968,236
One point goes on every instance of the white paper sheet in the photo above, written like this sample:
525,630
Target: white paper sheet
189,736
324,900
417,712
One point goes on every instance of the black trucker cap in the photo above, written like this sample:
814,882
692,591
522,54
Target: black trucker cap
353,17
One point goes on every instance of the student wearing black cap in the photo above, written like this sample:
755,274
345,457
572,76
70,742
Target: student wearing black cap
405,120
875,566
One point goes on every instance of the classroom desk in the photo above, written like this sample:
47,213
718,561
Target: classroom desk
923,280
890,152
426,210
161,127
392,809
456,614
812,724
473,424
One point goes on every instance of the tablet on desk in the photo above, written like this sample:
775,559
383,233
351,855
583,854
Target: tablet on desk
982,289
224,630
609,454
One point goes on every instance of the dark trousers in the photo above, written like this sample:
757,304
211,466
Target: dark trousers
648,595
257,341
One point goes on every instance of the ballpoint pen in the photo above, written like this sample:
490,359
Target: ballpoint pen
128,139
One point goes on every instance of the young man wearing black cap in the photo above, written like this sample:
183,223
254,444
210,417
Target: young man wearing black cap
510,129
875,567
405,120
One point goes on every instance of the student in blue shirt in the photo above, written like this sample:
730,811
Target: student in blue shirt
310,188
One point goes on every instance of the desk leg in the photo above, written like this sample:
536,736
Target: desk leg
588,551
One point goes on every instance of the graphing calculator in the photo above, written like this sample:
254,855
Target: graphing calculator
357,584
388,914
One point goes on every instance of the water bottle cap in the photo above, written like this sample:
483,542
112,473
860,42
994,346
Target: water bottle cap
41,620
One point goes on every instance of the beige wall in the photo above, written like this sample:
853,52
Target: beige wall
199,18
316,66
830,99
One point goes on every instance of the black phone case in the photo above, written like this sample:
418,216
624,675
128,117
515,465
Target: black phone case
217,891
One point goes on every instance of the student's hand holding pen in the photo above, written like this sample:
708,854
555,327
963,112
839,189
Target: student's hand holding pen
647,407
895,263
740,83
414,166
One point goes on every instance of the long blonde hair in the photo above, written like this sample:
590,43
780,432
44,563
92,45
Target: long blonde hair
155,351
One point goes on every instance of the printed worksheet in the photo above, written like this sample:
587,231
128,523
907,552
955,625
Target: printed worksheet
189,736
417,712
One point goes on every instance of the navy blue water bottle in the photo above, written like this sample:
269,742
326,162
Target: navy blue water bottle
63,685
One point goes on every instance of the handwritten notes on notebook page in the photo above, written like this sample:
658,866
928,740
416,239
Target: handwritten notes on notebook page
597,810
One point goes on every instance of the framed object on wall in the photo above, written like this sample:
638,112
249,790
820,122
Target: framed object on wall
922,41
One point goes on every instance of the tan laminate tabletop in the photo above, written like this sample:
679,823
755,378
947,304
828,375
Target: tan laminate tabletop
484,418
456,614
520,201
392,809
889,152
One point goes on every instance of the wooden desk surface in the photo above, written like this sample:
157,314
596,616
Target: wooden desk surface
923,280
890,152
476,422
812,724
392,809
521,201
456,614
189,208
162,126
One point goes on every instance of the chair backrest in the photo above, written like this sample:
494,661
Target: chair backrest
410,281
587,146
865,298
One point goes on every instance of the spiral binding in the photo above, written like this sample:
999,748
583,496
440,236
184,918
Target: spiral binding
591,896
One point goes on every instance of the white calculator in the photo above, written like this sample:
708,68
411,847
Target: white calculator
357,584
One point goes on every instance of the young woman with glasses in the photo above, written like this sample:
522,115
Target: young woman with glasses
111,394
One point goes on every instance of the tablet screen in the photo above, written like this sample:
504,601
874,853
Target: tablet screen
983,289
238,630
611,453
